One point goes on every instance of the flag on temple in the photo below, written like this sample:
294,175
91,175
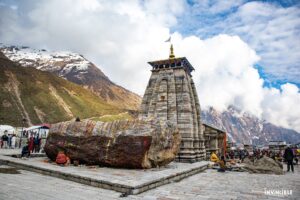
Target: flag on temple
168,40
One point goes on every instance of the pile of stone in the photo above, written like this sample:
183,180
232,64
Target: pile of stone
264,165
124,144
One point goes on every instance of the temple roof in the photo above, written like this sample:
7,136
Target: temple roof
213,127
172,62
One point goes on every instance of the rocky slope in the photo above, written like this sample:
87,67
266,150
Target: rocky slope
75,68
248,129
41,97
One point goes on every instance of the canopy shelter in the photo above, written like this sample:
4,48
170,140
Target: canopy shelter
42,130
215,140
9,129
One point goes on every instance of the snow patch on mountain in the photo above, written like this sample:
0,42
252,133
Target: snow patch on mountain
63,61
245,128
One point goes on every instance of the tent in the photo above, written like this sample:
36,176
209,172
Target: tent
9,129
42,130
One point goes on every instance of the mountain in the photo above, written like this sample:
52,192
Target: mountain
245,128
77,69
42,96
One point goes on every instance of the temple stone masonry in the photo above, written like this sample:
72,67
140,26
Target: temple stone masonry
171,95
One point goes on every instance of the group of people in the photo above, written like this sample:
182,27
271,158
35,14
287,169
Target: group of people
257,153
289,156
241,154
8,141
33,145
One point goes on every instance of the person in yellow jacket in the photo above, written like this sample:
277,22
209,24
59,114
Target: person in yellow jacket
214,157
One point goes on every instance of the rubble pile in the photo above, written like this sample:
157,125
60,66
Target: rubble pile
265,165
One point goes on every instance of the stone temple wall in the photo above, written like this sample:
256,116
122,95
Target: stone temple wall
171,95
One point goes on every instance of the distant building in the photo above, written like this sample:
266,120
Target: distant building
277,146
215,140
248,147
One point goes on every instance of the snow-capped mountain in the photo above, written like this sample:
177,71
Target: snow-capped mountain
75,68
247,129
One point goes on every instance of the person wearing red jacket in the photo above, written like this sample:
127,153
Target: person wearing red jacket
62,159
31,143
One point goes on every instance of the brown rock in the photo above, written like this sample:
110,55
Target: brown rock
125,144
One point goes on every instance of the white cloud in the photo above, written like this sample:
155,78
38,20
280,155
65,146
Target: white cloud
272,30
282,107
121,37
224,74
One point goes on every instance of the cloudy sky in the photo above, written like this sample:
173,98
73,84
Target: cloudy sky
246,53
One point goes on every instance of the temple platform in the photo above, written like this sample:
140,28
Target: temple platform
128,181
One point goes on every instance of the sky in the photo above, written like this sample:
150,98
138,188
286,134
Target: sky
245,53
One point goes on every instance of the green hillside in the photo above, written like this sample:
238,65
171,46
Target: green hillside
42,97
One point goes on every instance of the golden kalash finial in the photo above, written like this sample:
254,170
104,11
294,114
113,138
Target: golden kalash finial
171,52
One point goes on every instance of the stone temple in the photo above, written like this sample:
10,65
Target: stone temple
171,95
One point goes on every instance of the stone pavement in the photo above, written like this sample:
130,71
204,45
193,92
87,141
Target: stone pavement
205,185
121,180
229,185
10,151
34,186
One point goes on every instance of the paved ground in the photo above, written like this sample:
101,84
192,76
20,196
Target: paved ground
127,177
33,186
206,185
229,185
10,151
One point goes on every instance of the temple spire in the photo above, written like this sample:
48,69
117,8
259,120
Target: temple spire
171,52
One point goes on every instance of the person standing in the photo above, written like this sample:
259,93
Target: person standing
36,144
231,154
31,144
242,155
9,141
289,157
13,141
4,140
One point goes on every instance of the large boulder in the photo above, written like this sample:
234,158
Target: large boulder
124,144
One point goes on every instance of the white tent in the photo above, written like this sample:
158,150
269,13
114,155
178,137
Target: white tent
9,129
33,128
42,130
